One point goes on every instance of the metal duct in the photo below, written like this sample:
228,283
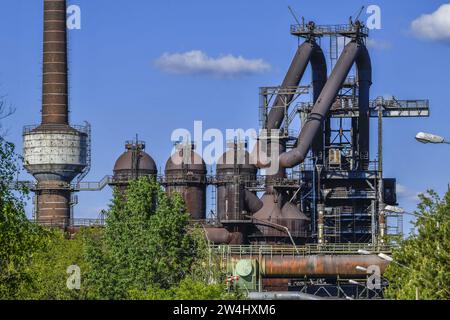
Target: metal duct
223,236
54,86
319,265
351,53
364,67
309,51
252,202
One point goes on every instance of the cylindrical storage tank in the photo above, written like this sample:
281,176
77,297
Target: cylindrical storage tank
185,174
233,172
55,153
132,164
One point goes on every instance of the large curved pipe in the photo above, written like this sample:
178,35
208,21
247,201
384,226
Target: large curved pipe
252,203
351,54
308,52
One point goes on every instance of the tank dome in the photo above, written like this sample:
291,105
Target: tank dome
185,159
133,163
145,162
236,157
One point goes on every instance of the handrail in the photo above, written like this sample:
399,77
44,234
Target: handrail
63,223
308,249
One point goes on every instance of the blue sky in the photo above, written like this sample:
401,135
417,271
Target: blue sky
116,85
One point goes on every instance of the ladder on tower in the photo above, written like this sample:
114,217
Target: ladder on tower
213,205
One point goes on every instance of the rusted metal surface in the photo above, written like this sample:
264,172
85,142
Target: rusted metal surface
223,236
185,174
132,164
252,202
289,216
54,85
318,265
233,170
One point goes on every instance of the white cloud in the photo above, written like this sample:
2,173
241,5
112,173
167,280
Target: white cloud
378,44
434,26
406,194
198,62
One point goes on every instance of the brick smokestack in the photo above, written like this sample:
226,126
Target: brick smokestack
55,84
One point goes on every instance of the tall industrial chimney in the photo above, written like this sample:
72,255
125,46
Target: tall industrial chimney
54,152
54,84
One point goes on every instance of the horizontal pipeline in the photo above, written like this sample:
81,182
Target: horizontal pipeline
318,265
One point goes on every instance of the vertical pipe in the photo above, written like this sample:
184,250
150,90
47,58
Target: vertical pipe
54,80
364,66
319,73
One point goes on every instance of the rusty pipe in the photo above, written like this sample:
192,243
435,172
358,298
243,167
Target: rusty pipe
318,265
222,236
252,203
54,77
322,106
308,52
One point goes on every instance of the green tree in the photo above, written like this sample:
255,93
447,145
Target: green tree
424,257
48,269
19,238
146,243
188,289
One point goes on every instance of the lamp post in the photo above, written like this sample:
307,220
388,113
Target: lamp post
430,138
400,210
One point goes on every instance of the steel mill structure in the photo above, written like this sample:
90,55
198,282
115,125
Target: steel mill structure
299,228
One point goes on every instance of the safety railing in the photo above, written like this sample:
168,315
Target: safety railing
322,30
65,223
308,249
80,128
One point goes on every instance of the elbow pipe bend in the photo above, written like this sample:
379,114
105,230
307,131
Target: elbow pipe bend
354,52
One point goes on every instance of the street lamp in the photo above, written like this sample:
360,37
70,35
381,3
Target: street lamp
399,210
388,258
394,209
362,269
430,138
